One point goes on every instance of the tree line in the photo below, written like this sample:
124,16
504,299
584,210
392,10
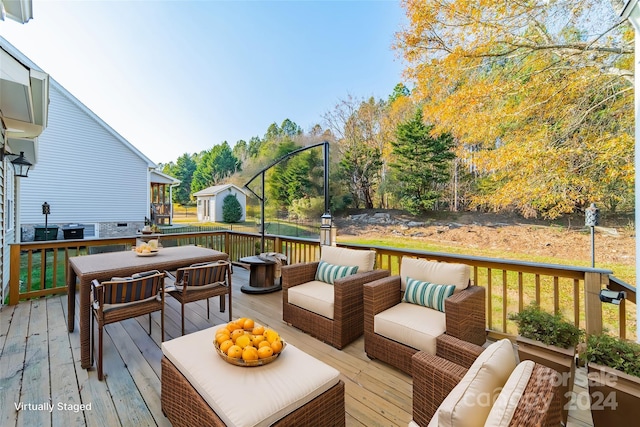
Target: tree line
508,106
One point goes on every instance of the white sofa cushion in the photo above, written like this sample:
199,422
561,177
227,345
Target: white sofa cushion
469,403
412,325
440,273
505,405
272,393
315,296
365,260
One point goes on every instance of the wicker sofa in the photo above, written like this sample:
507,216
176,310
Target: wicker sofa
394,330
466,385
332,313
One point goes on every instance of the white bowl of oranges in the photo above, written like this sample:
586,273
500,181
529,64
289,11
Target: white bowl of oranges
243,342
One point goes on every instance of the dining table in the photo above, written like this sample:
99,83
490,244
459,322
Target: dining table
82,270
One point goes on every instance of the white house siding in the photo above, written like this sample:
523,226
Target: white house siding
4,270
87,174
7,221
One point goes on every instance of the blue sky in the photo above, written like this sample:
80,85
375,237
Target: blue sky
181,76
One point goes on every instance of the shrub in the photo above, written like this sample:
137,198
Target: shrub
613,352
231,209
536,324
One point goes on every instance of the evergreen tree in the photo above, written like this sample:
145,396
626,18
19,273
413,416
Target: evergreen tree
183,170
214,166
231,209
422,164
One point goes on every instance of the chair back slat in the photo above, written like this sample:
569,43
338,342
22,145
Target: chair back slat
202,275
132,289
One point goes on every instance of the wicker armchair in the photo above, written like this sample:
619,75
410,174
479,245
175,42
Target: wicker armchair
332,313
394,330
529,397
201,281
125,298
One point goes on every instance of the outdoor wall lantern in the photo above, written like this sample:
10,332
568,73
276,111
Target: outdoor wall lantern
21,165
327,232
592,220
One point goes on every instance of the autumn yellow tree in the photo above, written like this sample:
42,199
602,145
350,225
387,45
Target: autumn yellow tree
538,94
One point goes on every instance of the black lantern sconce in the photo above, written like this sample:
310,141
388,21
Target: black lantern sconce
20,164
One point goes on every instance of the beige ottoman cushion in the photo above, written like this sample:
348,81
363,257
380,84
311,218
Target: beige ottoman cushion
315,296
273,390
410,324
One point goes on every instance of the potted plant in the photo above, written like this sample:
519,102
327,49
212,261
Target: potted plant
614,380
551,341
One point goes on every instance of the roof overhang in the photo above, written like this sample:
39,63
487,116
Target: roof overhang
158,177
18,10
24,93
27,146
24,105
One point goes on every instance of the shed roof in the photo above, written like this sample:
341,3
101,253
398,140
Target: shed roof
214,190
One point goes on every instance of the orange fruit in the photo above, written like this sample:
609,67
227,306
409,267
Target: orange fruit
220,338
271,335
258,330
235,334
240,322
248,324
224,347
249,353
243,341
235,352
264,352
257,339
276,346
264,343
223,330
232,326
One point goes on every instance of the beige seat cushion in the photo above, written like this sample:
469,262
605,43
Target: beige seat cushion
275,390
507,402
410,324
365,260
440,273
470,401
315,296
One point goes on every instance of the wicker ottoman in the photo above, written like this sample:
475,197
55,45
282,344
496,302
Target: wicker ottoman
200,389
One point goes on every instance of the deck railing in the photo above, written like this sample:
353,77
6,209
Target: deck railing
510,285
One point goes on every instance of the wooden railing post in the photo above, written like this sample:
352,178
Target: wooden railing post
592,306
14,274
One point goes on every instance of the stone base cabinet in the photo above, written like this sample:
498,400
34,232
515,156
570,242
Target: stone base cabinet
615,397
557,358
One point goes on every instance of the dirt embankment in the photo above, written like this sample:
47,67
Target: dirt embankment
567,238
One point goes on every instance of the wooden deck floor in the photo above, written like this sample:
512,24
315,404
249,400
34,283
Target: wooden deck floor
40,367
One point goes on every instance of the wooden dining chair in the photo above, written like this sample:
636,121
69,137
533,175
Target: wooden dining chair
200,281
124,298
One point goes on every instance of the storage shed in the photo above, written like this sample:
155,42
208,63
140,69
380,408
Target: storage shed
210,201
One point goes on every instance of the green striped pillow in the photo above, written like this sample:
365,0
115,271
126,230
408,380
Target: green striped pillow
427,294
328,273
